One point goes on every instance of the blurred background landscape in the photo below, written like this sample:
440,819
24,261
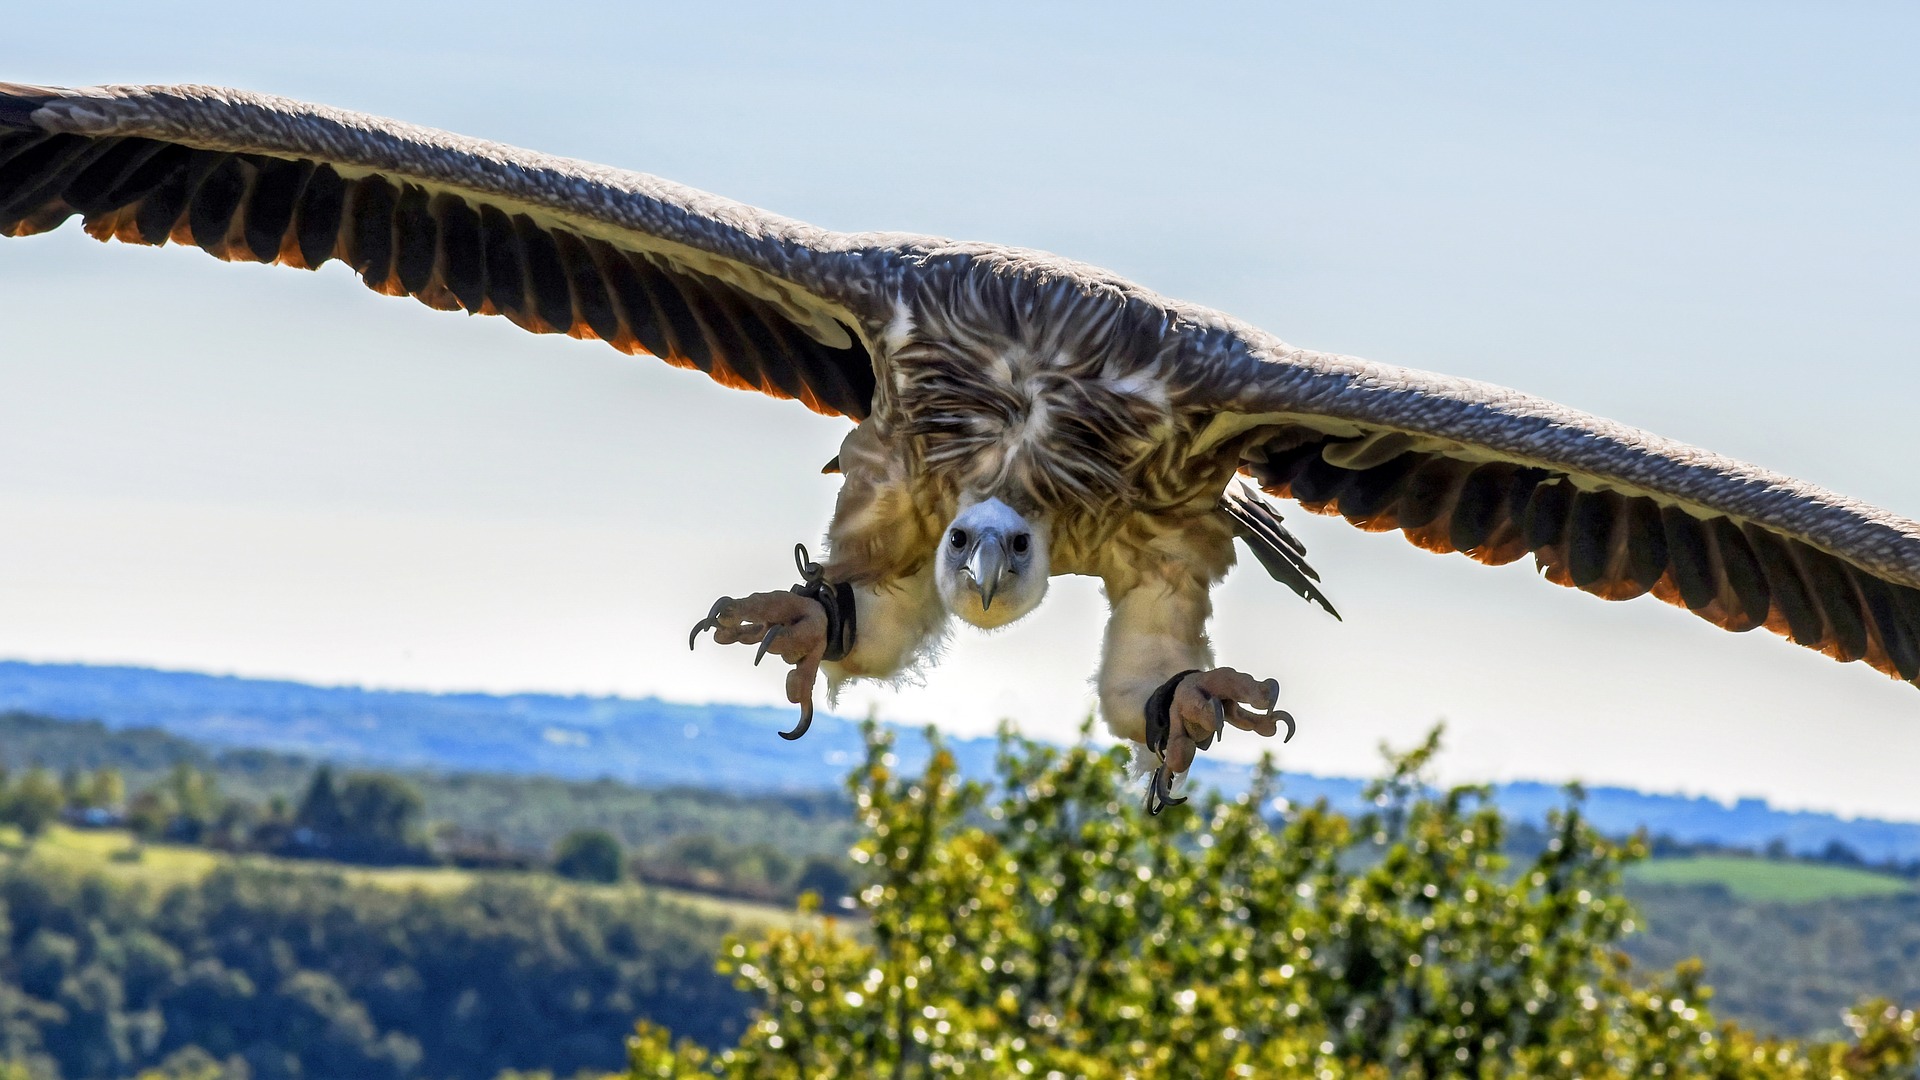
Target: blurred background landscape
403,846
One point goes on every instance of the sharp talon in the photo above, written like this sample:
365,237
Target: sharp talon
711,622
772,632
1160,791
806,721
1166,788
1219,715
1286,718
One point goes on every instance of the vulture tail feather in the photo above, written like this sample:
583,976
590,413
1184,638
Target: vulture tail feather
1282,554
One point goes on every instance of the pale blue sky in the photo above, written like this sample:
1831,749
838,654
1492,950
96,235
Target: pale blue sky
1700,221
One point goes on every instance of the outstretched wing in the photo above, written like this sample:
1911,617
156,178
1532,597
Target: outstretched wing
1458,465
557,246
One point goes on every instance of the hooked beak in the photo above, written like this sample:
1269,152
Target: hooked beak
988,562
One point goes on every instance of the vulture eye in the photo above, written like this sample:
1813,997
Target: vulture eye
1020,544
959,538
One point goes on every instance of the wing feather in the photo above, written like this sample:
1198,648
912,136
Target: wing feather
755,301
1617,540
1281,553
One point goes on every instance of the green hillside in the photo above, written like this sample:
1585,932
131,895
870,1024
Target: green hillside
117,957
118,855
1769,880
524,813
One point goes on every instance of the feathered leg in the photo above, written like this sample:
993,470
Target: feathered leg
888,627
871,611
1158,685
900,621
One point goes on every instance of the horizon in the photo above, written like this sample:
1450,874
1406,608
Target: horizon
1099,734
1695,221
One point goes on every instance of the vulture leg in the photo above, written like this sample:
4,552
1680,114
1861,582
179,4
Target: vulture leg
900,621
1158,683
791,626
1199,706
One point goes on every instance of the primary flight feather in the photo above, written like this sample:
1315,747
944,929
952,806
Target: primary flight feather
1016,415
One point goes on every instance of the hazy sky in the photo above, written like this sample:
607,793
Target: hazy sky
1699,221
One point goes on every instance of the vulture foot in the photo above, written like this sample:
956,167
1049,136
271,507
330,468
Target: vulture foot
1186,715
788,625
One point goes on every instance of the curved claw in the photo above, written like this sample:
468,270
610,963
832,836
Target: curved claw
711,622
1286,718
806,721
772,632
1160,791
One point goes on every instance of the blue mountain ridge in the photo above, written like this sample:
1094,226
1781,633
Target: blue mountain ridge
659,743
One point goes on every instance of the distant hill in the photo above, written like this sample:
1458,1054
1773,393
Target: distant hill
645,741
658,743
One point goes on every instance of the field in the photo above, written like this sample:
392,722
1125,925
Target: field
1769,880
117,854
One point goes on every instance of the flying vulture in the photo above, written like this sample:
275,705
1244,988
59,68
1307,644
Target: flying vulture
1016,415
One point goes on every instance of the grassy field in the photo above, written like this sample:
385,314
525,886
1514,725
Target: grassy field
1768,880
117,854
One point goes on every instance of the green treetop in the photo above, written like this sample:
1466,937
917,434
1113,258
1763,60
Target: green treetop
1048,928
32,802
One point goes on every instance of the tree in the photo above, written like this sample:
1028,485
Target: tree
33,802
368,817
319,812
193,1063
1841,853
106,789
590,855
195,797
380,817
150,814
1051,928
826,879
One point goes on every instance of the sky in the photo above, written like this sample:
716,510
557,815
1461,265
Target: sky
1695,219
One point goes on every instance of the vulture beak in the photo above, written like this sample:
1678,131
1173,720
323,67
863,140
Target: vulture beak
985,567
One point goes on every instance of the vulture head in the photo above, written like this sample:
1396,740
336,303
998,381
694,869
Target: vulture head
993,564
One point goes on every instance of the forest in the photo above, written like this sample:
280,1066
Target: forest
754,846
298,974
247,914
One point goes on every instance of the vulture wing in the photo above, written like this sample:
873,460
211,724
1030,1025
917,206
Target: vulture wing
557,246
765,303
1465,466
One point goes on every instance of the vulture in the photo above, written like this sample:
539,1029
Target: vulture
1015,415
